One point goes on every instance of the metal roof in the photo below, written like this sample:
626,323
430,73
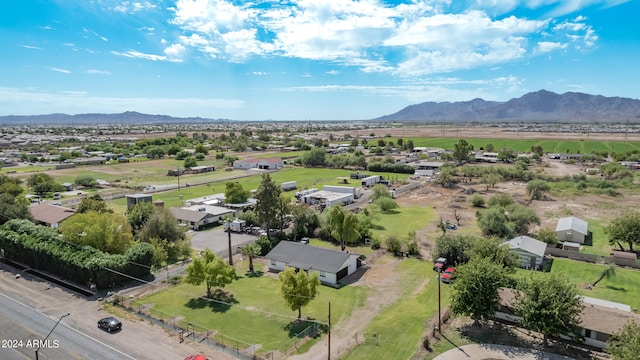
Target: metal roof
572,223
528,244
309,257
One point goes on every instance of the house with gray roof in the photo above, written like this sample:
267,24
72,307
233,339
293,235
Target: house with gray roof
332,266
194,219
572,229
529,250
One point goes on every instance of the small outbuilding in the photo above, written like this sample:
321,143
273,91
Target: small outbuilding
332,266
572,229
531,251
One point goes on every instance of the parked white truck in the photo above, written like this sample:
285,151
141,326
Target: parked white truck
236,225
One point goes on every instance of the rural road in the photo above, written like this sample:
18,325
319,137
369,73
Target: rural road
43,303
24,327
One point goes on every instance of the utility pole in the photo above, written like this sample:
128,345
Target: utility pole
439,318
46,337
329,333
230,254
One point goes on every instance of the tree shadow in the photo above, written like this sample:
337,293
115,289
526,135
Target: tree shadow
254,274
220,301
305,327
616,288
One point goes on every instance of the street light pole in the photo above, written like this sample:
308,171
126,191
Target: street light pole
46,337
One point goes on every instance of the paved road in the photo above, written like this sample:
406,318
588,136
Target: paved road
47,302
23,327
217,240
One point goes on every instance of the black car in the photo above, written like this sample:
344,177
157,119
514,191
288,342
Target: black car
110,324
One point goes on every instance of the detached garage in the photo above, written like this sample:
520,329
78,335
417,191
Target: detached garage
572,229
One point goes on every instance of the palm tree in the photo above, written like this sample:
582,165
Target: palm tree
606,273
251,251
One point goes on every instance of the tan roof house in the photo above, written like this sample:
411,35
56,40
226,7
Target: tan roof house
50,215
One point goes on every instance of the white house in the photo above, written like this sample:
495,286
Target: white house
572,229
331,265
530,251
274,163
599,319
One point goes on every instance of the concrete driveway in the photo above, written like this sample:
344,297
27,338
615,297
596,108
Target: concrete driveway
497,352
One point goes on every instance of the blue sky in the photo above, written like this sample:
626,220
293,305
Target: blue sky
307,59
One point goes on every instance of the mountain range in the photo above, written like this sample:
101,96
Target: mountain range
542,106
539,106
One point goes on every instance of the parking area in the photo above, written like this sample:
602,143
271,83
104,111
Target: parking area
217,240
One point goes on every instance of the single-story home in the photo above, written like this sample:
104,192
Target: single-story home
572,229
194,219
50,215
531,251
331,265
599,318
274,163
200,216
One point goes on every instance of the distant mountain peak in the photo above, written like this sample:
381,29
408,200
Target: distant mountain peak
542,105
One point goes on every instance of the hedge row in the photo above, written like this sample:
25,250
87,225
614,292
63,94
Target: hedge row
391,168
42,248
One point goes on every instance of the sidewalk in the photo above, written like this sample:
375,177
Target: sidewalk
497,352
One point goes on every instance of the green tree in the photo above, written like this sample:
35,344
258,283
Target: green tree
154,152
314,157
386,204
461,150
625,345
211,270
305,221
379,191
139,214
42,184
107,232
536,189
343,225
298,288
547,235
251,251
608,272
624,229
490,180
93,203
493,249
267,196
453,248
235,193
201,149
476,200
476,289
86,181
162,225
190,162
13,207
549,305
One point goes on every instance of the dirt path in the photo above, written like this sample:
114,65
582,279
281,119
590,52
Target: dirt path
382,280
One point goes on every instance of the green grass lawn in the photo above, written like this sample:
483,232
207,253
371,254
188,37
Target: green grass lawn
624,287
258,313
402,221
561,146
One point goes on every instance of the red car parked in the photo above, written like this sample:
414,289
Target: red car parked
448,275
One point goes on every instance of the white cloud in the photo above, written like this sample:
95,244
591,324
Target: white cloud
548,46
333,72
140,55
64,71
31,47
430,36
98,72
175,52
130,7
